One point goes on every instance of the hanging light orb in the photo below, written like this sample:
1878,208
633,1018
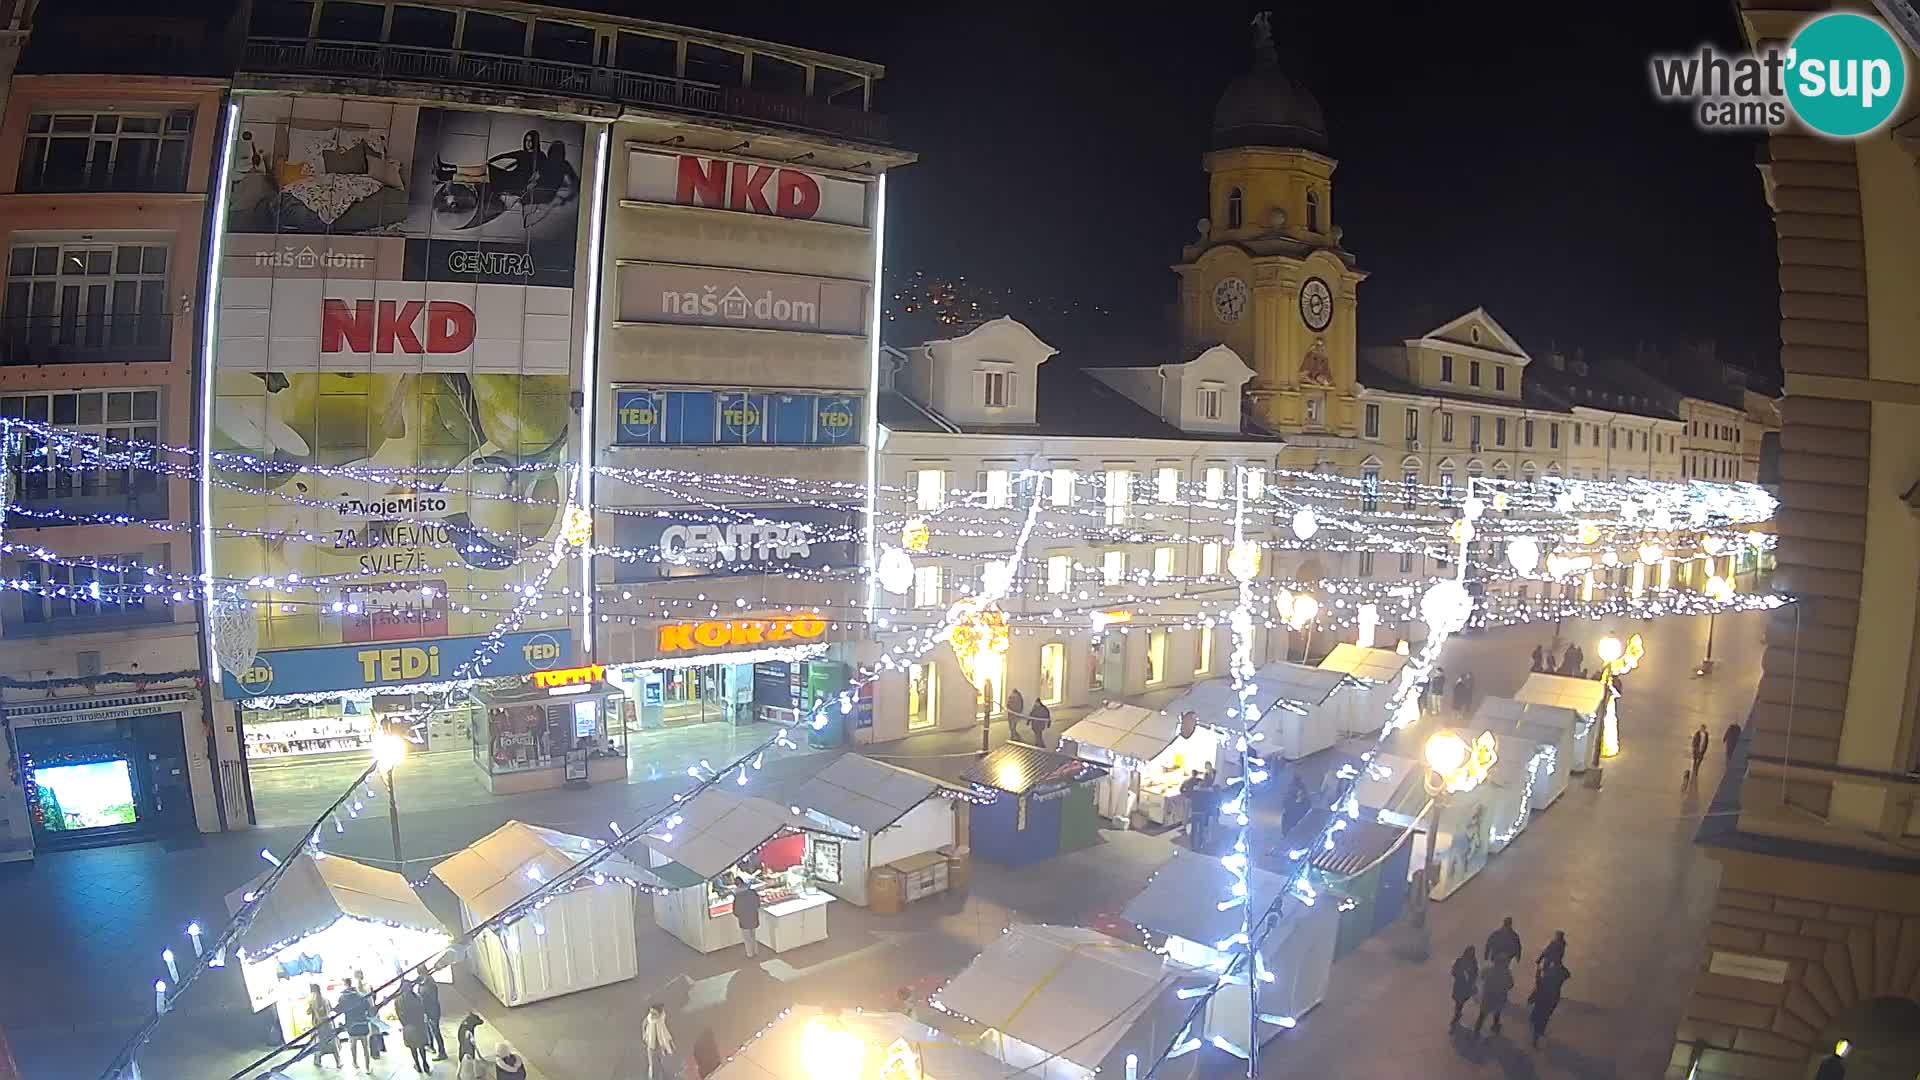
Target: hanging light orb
1661,518
1305,524
914,535
1461,531
1446,606
1473,507
1563,502
1243,562
1500,501
1713,543
895,571
1304,608
1523,554
1610,557
1650,553
1589,532
1719,589
996,578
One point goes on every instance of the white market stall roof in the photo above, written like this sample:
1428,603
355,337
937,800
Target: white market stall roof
1066,990
780,1051
1506,716
499,869
1183,898
717,828
1386,779
315,892
1374,665
867,794
1299,683
1566,691
1127,730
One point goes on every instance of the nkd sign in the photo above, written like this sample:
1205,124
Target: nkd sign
745,187
716,296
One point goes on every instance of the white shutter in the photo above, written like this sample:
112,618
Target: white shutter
980,388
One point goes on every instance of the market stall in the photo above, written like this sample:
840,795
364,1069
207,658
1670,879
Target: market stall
811,1043
1065,1002
1148,755
1377,676
1309,703
1465,838
912,831
1182,902
1389,789
1552,730
1367,873
1042,805
328,918
716,842
581,938
550,729
1582,697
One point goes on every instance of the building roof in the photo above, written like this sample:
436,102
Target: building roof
1583,696
1374,665
1017,769
867,794
496,871
1127,730
315,892
1359,845
1263,107
715,829
1068,402
1182,898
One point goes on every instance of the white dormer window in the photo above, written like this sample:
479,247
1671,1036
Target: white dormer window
1216,482
997,486
1209,404
996,389
1166,484
1060,487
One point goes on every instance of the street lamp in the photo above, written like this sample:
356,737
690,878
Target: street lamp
1719,590
389,750
1454,766
1616,659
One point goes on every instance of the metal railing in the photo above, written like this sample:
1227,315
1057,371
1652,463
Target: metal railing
86,339
376,60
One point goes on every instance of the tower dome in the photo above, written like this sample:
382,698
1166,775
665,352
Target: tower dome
1263,107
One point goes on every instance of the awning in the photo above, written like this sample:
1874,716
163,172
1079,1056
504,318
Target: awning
1017,768
867,794
1566,691
1127,731
781,1050
1183,898
314,893
1374,665
716,829
501,868
1065,990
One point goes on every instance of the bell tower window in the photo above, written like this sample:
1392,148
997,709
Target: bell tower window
1313,211
1236,209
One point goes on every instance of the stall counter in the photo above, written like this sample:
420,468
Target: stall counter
796,920
790,924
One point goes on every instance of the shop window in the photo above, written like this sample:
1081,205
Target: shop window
103,592
1203,651
1053,672
1210,558
135,150
1156,657
1059,574
1060,487
922,711
1166,484
74,479
1113,567
926,587
1119,495
1162,563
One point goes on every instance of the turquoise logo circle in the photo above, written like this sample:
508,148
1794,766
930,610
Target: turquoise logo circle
1846,74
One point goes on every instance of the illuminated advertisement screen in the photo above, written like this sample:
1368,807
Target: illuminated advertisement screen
85,795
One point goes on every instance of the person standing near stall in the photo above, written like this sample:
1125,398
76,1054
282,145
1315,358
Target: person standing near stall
326,1038
1042,719
413,1026
356,1013
1546,996
430,997
746,912
1016,707
658,1042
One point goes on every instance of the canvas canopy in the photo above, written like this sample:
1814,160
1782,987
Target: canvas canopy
867,794
1183,898
1373,665
786,1049
498,870
1127,731
1583,696
1065,991
315,892
717,828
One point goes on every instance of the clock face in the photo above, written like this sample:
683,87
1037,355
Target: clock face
1230,299
1316,304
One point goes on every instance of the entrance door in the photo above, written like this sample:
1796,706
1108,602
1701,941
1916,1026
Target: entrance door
1113,663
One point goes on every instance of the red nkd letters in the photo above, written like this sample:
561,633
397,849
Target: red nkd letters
737,185
389,326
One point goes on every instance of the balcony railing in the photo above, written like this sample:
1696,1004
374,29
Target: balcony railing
375,60
86,339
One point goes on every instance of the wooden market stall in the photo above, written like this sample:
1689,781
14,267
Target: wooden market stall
1149,756
1552,730
1582,697
1370,866
1377,675
1042,804
912,831
1308,705
328,918
717,841
581,938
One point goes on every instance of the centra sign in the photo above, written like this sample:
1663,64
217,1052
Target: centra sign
736,633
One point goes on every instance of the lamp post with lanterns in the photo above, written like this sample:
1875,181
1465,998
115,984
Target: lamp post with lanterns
1616,659
1454,767
389,750
1719,590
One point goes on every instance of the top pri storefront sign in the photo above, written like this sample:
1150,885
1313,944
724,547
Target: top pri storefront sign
745,187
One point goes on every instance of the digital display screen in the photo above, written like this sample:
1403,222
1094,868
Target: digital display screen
93,795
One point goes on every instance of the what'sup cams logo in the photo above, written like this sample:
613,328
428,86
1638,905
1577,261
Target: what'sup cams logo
1842,75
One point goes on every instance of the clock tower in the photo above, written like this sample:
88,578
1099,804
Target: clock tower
1267,275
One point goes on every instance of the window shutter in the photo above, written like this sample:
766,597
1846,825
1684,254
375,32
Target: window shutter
1013,389
980,387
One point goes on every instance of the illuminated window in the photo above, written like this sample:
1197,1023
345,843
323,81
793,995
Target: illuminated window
1156,657
998,486
1203,653
1256,482
1162,563
930,489
1060,489
1059,573
922,712
1113,567
1370,488
1053,672
1119,495
926,586
1166,484
1216,482
1210,558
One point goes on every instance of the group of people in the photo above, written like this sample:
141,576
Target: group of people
1201,789
1729,741
1493,982
354,1015
1039,718
1573,662
1434,693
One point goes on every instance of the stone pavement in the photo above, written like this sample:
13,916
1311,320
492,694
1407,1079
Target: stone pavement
1616,869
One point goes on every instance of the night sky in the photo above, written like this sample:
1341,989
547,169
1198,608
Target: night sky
1503,154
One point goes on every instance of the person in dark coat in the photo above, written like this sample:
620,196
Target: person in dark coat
1700,741
1545,997
1730,741
1466,983
1298,804
1834,1065
746,912
1554,954
430,997
1496,982
1042,719
1503,944
1539,658
413,1027
1436,687
356,1015
1016,710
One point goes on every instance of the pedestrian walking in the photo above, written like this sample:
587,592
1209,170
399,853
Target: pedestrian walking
1466,983
1016,709
356,1015
1042,718
1545,997
430,997
1504,943
1539,658
746,912
1700,741
508,1065
1496,982
413,1026
658,1042
326,1039
1554,953
1462,693
1731,740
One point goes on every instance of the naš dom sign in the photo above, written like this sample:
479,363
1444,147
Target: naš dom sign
737,633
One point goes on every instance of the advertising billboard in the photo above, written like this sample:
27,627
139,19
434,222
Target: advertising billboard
752,540
721,296
674,417
748,187
397,336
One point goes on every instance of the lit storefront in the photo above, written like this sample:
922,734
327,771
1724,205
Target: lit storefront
104,769
561,727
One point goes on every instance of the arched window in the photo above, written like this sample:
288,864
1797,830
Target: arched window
1236,209
1313,211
